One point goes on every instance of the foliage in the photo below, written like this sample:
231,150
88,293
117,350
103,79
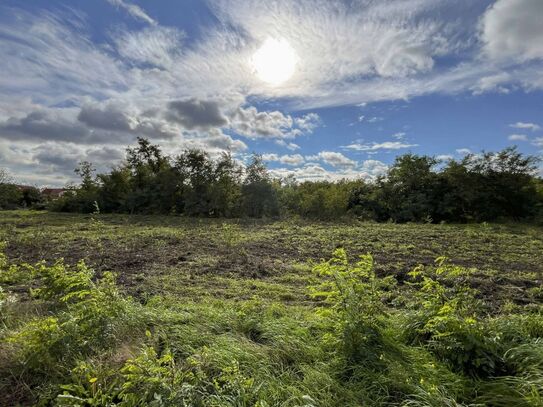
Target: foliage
86,316
258,194
477,188
484,187
449,320
13,196
354,296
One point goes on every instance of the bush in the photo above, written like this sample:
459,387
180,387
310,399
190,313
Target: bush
88,316
448,321
356,311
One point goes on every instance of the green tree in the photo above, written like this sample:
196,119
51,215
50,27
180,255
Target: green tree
409,188
115,190
85,170
147,165
259,196
10,196
225,194
196,170
492,185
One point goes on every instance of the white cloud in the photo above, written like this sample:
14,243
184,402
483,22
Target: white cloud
342,40
289,159
288,145
213,141
367,170
387,145
518,137
538,142
251,123
512,29
309,122
463,151
492,83
157,46
52,56
134,10
373,119
333,158
373,168
350,52
444,157
525,126
55,161
270,157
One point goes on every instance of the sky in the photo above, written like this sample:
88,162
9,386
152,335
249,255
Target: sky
323,89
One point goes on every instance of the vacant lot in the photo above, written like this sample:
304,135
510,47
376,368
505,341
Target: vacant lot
218,313
199,258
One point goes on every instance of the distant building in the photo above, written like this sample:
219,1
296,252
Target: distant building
53,193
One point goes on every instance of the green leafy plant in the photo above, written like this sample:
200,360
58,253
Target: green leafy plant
353,294
448,321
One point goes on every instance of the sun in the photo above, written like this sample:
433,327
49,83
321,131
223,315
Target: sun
275,61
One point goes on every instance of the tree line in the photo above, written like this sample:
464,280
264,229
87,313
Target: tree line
13,196
479,187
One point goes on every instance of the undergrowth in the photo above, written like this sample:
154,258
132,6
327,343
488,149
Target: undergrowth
68,337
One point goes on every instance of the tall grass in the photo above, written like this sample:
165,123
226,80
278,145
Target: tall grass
85,344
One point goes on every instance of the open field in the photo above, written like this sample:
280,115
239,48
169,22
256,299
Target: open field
198,259
229,301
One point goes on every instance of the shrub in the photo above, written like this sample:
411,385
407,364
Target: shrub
353,294
89,316
447,320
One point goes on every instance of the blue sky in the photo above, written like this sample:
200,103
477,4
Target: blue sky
322,89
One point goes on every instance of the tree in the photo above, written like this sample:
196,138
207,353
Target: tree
10,196
196,170
5,178
259,196
147,165
365,201
84,198
502,184
225,193
86,171
410,188
31,197
480,187
13,196
115,189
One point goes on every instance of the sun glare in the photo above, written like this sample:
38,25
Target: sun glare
275,61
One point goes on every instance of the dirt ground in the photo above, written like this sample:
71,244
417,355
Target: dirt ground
201,258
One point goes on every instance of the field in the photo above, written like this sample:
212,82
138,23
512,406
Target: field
222,313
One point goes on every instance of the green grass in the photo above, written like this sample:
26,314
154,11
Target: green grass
218,313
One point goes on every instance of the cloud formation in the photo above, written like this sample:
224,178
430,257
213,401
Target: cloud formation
518,137
61,85
251,123
334,159
367,170
526,126
196,114
289,159
386,145
512,29
134,10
